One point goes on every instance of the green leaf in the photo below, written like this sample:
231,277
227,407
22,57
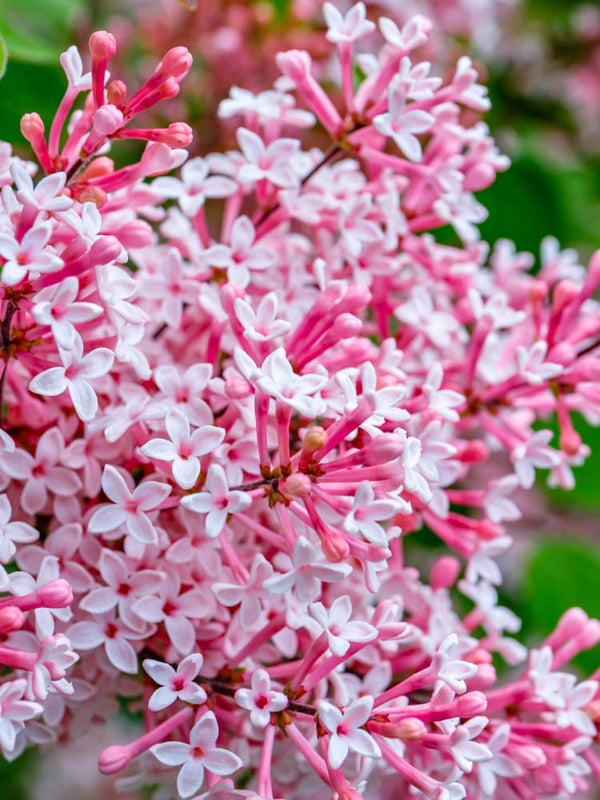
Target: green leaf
26,88
3,56
26,48
561,574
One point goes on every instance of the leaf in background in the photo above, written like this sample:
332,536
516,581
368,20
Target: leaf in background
3,56
26,88
28,49
561,573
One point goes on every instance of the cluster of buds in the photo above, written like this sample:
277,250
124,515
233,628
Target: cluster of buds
223,416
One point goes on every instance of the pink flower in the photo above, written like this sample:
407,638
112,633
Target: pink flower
198,755
216,500
346,732
175,685
184,447
338,626
261,700
347,28
74,377
128,508
14,712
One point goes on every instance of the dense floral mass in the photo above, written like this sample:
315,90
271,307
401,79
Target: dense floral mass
229,397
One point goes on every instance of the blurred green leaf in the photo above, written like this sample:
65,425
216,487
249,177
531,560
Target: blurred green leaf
26,88
3,56
561,574
37,32
27,49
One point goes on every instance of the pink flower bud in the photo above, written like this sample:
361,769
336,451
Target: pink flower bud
113,759
444,572
314,440
136,233
564,293
176,63
471,704
569,441
298,485
294,64
473,452
529,756
97,168
107,120
55,594
32,126
410,729
537,291
563,353
178,134
103,45
116,93
382,449
91,194
479,177
484,678
11,619
335,547
237,387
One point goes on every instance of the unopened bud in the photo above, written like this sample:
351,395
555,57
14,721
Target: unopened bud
564,293
473,452
11,619
529,756
314,439
410,729
295,64
98,168
91,194
335,547
444,572
55,594
116,93
383,448
569,441
107,120
479,177
471,704
176,63
113,759
237,387
103,45
32,125
298,485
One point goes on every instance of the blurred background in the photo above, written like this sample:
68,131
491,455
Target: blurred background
541,62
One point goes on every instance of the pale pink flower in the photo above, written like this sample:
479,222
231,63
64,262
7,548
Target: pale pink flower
12,532
31,255
175,684
216,500
338,626
347,28
346,733
261,700
57,307
113,635
198,755
465,751
128,508
401,123
74,377
183,448
14,712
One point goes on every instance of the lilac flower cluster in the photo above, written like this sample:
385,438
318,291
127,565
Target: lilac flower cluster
228,397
